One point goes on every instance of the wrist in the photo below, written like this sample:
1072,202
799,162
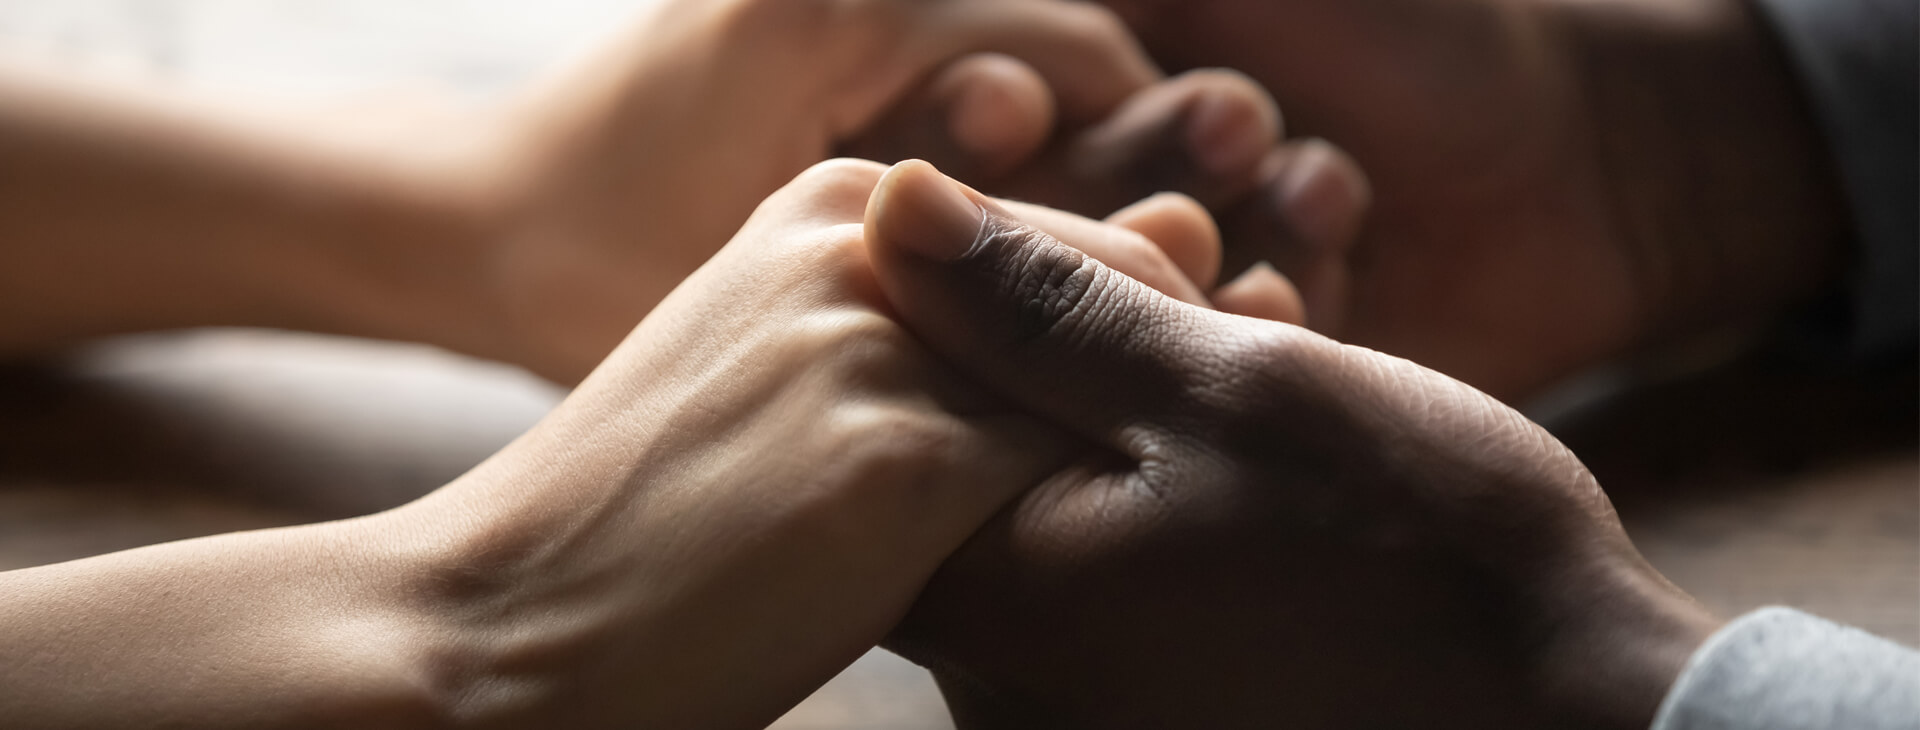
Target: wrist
528,573
423,273
491,653
460,249
1717,175
580,215
385,239
1616,647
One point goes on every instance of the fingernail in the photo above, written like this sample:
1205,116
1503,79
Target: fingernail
1225,135
924,212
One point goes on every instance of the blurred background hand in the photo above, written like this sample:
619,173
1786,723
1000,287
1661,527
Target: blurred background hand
1555,183
617,178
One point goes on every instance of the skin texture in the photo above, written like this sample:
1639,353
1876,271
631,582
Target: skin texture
1259,522
538,232
1555,183
744,498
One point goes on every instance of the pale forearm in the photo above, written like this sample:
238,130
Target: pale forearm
123,210
304,626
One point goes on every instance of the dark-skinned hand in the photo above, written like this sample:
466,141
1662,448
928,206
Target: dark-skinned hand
1264,526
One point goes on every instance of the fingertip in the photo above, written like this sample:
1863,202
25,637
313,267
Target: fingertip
999,110
1183,230
1323,194
1262,292
1231,124
918,210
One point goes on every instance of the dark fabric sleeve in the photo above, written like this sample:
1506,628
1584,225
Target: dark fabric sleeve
1859,63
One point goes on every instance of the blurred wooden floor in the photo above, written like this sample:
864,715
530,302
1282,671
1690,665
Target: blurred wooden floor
1747,489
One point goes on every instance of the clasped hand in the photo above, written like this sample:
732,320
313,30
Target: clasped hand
1190,516
756,483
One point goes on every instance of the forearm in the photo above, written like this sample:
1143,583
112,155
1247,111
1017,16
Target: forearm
427,615
305,626
124,211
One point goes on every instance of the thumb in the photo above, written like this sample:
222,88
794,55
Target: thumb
1042,323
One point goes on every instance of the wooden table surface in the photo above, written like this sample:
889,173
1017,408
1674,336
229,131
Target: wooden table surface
1746,488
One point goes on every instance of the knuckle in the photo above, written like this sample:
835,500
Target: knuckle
886,431
843,340
1268,363
887,446
869,349
808,257
1288,348
837,239
837,178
